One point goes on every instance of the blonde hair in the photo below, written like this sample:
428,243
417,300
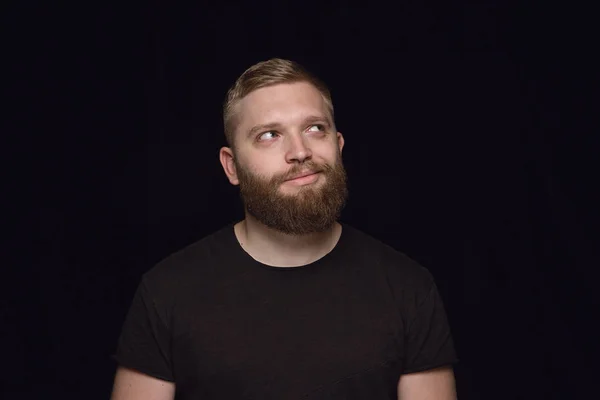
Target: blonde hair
263,74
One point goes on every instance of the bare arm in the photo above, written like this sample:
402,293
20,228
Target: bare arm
132,385
434,384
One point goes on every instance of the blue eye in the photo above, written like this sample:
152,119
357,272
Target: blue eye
260,137
319,128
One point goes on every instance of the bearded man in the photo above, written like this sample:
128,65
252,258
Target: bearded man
289,303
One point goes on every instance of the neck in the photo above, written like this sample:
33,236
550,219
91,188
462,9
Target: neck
278,249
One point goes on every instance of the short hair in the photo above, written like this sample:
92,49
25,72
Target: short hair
264,74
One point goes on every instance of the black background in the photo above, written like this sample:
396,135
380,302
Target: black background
469,146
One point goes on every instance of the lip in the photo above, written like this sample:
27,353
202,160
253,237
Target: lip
303,175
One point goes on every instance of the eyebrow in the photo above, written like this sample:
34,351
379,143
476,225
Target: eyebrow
274,125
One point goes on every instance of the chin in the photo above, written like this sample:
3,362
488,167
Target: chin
312,188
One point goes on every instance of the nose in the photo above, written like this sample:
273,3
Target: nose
298,149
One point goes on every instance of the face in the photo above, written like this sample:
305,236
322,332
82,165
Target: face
287,159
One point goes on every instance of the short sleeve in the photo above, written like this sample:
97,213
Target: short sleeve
144,343
428,337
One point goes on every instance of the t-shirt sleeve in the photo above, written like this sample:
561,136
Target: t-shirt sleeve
144,343
428,338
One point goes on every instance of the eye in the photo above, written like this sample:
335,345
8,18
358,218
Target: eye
319,128
264,135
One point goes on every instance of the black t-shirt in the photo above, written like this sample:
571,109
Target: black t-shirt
221,325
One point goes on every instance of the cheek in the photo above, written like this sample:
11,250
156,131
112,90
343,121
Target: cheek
330,154
266,168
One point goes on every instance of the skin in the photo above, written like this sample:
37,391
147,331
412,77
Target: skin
133,385
433,384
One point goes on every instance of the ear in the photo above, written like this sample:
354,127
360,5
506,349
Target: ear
226,158
340,139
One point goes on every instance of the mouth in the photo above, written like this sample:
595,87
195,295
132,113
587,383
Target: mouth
303,175
305,178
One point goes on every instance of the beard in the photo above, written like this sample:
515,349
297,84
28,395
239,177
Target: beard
312,208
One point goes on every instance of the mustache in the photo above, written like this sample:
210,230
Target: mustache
298,169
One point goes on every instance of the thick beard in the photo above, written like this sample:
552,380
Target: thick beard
312,209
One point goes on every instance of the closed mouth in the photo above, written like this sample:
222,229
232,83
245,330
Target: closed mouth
304,175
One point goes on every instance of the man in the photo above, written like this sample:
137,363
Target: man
288,303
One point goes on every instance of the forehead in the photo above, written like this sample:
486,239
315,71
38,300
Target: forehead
281,103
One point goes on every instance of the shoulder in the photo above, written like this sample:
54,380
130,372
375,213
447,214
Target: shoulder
191,265
404,275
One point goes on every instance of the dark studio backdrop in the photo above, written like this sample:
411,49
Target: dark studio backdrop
469,147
